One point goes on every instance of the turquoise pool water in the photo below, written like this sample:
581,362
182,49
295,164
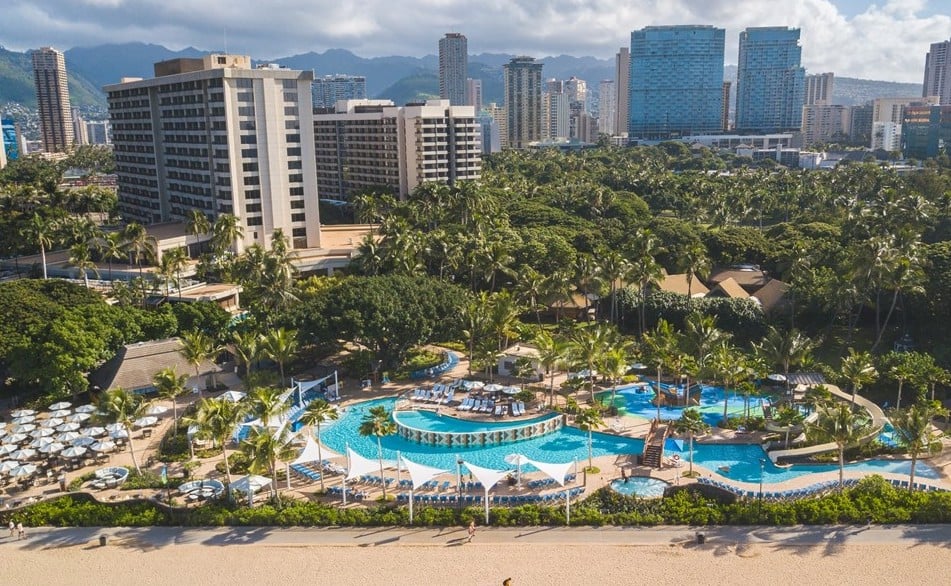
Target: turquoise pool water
640,486
636,400
431,421
569,444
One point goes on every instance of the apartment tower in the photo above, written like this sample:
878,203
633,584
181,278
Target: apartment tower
622,85
453,68
938,72
770,81
52,100
819,88
523,101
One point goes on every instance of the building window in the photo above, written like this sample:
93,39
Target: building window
297,191
245,97
293,138
249,167
252,208
290,96
249,153
252,180
290,111
297,204
295,165
293,152
256,221
246,125
295,177
245,110
249,139
297,217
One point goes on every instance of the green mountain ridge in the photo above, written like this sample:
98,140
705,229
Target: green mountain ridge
16,83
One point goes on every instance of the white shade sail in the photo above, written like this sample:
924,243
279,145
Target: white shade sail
250,484
358,465
308,454
486,476
556,472
420,473
232,396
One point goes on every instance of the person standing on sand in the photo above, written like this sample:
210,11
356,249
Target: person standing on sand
21,534
471,531
12,527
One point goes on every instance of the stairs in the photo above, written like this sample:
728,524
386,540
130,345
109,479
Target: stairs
654,445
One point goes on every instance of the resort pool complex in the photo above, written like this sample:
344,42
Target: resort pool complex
435,422
739,462
636,400
640,486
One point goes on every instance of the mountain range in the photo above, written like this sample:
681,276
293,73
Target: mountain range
398,78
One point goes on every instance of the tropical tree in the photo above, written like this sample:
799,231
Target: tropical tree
123,408
696,265
264,449
613,364
589,420
817,396
915,433
197,347
225,232
691,424
900,369
317,412
788,418
110,247
859,369
838,424
39,231
197,224
587,344
264,403
552,352
81,258
784,349
170,385
247,349
280,345
138,243
660,344
217,419
701,336
378,422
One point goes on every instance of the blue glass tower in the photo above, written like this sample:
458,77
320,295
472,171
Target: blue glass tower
770,83
10,141
676,81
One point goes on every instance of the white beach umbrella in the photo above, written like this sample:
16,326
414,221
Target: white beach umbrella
84,441
3,431
52,422
103,446
73,452
24,419
492,388
8,466
145,421
78,417
15,438
232,396
114,426
22,413
87,408
95,431
52,448
60,405
157,410
68,437
23,454
41,442
119,434
7,449
60,413
42,432
22,428
23,471
67,427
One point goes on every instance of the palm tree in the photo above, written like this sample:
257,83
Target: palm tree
216,419
696,265
246,348
39,231
378,422
785,349
732,366
170,386
281,346
915,433
226,230
175,260
197,224
589,420
552,352
264,449
859,370
122,407
197,347
316,412
587,344
660,345
81,258
139,244
692,424
264,403
838,424
110,248
817,396
788,417
645,270
701,335
613,364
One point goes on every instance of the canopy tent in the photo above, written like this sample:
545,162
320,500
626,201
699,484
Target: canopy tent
489,478
420,475
249,485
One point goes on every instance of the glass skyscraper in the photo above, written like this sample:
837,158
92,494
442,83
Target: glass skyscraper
11,139
770,82
676,81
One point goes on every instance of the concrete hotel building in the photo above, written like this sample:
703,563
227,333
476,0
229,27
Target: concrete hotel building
607,107
52,100
770,81
523,101
938,72
368,144
213,134
622,85
819,89
330,89
676,81
453,68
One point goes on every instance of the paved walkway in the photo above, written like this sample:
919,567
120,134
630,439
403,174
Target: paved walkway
157,537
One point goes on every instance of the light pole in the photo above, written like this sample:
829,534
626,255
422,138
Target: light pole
762,467
459,481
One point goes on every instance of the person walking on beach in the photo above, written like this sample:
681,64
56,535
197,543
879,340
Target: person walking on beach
12,527
471,531
21,534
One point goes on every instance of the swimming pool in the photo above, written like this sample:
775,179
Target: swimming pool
640,486
431,421
636,400
740,462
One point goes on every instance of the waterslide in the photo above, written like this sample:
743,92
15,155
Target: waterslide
878,422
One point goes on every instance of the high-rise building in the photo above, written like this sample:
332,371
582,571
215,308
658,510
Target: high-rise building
52,100
676,81
453,68
99,132
80,137
938,72
926,131
819,89
329,89
555,115
214,135
474,94
577,90
369,144
607,107
3,151
860,125
886,136
622,85
523,101
12,139
825,123
891,109
770,81
498,113
725,113
491,137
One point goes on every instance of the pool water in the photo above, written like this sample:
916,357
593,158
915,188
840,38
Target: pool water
640,486
740,462
432,421
636,400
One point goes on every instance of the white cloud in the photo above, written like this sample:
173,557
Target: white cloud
886,40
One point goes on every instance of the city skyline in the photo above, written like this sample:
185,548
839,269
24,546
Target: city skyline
836,34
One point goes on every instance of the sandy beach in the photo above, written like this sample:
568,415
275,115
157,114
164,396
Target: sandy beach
441,557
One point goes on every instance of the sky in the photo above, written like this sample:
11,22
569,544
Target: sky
883,39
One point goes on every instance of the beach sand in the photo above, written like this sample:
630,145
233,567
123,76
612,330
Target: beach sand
126,561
